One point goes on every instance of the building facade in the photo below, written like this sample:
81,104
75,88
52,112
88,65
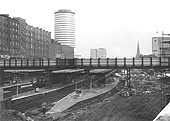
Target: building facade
98,53
93,53
67,52
161,46
9,36
64,31
55,49
22,34
77,56
20,40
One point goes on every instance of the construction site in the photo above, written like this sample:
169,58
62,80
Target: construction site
142,101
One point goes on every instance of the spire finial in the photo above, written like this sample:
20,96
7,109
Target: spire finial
138,51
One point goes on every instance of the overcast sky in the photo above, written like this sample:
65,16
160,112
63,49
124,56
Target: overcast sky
116,25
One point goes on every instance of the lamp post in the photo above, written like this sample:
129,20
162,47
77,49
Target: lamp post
15,79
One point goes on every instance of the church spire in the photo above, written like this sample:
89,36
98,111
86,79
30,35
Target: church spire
138,51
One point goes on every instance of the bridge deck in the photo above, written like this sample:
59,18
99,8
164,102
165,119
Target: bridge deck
87,63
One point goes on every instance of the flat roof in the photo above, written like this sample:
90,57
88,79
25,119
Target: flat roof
100,70
68,71
25,70
64,11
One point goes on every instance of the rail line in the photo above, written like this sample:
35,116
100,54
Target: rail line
32,101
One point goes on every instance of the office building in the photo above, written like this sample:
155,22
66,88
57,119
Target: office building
98,53
64,31
93,53
161,46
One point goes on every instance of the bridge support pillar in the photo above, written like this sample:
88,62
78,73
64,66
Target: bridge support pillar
1,103
128,78
1,77
48,79
89,81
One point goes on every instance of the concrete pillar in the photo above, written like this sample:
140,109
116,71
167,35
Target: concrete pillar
1,98
91,83
1,77
48,79
128,78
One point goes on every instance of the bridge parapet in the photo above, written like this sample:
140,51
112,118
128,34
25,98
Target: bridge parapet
91,63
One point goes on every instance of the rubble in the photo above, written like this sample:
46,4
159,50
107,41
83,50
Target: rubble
136,106
141,102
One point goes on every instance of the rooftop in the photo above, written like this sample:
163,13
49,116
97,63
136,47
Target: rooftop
64,11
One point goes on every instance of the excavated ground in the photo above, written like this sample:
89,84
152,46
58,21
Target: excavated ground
142,106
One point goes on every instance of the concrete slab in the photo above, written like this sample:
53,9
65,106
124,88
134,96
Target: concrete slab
70,99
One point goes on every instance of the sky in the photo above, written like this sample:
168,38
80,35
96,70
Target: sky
116,25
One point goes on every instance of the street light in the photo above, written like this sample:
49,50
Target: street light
15,79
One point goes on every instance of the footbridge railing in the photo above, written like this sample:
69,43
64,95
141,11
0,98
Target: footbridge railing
83,63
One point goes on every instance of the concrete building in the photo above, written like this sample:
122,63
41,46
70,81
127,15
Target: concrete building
77,56
65,27
98,53
64,32
161,46
55,49
93,53
67,52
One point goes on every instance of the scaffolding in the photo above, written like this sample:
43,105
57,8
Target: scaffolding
164,46
164,54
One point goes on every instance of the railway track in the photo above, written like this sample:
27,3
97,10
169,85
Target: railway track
35,101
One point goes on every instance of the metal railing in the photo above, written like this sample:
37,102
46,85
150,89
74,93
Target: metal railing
82,63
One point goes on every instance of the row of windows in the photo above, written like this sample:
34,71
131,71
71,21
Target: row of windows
4,34
14,30
13,43
15,36
5,21
38,31
10,50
